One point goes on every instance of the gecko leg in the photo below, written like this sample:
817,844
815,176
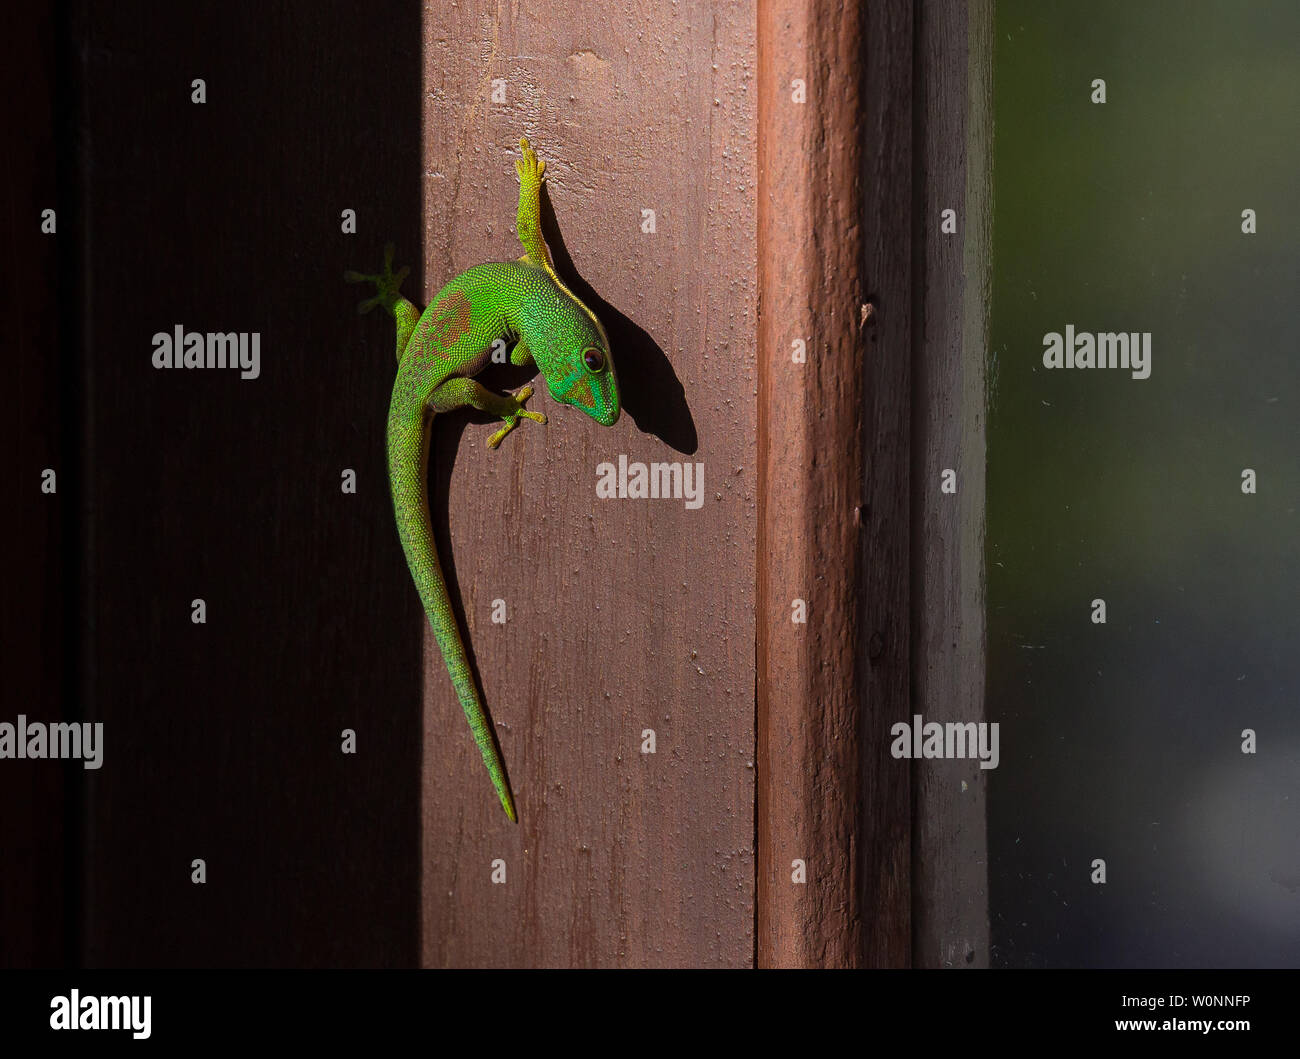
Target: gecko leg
521,356
528,221
459,393
387,284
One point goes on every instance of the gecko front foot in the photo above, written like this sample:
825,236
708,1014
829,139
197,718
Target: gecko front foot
512,418
531,170
387,283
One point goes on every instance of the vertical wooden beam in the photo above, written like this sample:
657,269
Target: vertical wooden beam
950,855
887,123
810,451
622,615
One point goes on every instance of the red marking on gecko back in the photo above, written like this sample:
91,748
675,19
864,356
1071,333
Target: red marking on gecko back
450,323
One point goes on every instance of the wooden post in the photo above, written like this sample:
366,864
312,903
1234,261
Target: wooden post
624,617
950,850
850,517
814,511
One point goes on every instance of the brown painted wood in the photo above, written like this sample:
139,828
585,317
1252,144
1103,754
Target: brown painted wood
950,854
222,740
810,480
622,615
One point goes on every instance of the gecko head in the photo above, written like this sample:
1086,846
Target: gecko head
582,375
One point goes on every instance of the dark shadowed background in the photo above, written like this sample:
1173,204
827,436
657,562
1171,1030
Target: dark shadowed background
1123,741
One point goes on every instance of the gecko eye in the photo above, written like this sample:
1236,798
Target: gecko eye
594,359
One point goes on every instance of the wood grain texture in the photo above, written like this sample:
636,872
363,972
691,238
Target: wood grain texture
950,856
887,121
622,615
810,479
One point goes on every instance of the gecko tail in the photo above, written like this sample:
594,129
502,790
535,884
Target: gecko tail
408,466
481,728
453,653
508,802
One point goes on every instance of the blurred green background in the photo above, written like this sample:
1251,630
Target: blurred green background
1122,741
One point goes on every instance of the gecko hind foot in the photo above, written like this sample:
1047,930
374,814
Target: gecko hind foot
388,283
512,418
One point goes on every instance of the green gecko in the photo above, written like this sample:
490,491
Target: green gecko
437,352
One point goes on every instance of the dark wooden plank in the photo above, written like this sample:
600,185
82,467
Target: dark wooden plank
810,480
950,855
622,615
223,739
34,924
884,845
